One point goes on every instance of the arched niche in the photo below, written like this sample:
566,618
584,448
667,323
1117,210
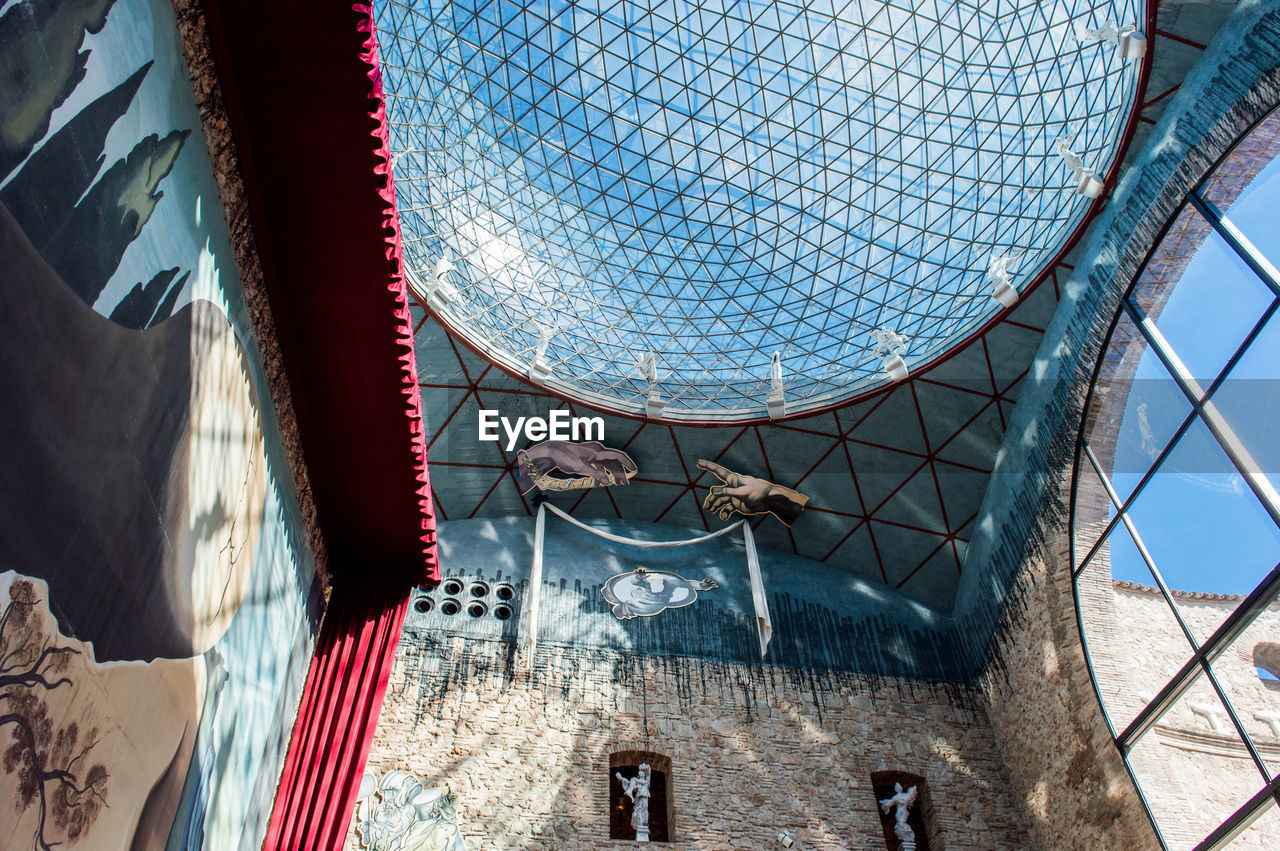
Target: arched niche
661,810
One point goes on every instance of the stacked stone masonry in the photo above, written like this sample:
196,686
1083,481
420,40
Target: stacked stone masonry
754,751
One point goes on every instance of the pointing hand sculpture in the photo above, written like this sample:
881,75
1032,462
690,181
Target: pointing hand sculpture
750,495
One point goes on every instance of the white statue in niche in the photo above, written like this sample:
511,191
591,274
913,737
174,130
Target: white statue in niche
900,802
637,789
397,813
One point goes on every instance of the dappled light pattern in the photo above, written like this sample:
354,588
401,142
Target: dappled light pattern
710,183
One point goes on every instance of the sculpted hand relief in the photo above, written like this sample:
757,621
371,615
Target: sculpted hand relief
558,425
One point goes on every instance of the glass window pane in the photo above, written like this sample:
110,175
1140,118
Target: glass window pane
1246,186
1193,768
1136,408
1205,529
1201,295
1129,672
1248,672
1249,401
1262,834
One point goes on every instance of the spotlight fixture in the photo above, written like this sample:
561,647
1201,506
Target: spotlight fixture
890,345
785,839
776,402
439,292
998,268
540,370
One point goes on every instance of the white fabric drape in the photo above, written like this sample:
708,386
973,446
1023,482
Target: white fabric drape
535,583
764,625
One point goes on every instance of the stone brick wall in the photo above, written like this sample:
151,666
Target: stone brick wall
1193,767
1066,772
754,751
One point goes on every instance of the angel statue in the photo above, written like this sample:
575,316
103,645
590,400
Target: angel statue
637,789
900,802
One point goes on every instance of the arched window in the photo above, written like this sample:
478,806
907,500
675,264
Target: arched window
1176,511
1266,660
889,787
622,807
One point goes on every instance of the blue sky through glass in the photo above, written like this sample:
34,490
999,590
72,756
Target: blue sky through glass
1213,534
712,182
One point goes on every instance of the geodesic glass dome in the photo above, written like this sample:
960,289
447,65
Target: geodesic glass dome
654,198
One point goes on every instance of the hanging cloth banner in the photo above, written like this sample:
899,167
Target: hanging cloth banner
535,583
764,625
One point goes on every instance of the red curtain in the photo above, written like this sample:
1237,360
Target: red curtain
355,651
341,702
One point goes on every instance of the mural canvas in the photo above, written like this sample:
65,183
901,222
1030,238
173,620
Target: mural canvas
159,596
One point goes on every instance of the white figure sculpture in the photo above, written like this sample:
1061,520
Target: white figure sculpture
397,813
654,403
776,401
540,370
998,268
637,789
1107,33
439,291
443,267
1074,163
889,342
900,802
1131,43
891,345
1085,181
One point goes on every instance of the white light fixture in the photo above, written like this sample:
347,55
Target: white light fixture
540,370
890,345
1085,182
439,292
785,838
998,268
1133,45
654,403
776,401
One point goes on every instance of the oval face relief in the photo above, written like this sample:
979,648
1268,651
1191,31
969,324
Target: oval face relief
645,593
639,204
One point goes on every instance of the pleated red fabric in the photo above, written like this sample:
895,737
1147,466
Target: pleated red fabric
337,718
355,650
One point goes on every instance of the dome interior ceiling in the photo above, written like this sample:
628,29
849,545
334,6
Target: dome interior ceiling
711,183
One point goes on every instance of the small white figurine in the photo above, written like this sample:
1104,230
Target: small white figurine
637,789
889,342
1085,180
900,802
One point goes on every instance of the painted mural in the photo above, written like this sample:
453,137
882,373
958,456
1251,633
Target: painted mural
157,596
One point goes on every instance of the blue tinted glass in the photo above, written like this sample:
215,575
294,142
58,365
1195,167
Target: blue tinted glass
716,182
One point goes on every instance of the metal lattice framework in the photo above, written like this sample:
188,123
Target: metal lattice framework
711,182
